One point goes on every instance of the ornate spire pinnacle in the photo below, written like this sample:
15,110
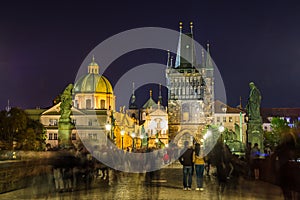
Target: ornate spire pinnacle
171,64
132,88
241,107
168,61
177,61
202,56
191,26
208,63
207,47
159,95
93,67
150,93
7,108
133,95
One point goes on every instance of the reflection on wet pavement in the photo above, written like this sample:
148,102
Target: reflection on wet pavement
164,184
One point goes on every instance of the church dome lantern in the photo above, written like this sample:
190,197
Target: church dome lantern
93,91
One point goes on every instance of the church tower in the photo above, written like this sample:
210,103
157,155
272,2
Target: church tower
190,90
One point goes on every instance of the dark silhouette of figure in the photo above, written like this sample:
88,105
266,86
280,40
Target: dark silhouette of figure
186,159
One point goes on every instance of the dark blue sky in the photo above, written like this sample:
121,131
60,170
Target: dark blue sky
43,43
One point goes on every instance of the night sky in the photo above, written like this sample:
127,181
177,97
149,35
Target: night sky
43,43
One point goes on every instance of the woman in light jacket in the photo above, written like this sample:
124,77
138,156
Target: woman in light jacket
198,160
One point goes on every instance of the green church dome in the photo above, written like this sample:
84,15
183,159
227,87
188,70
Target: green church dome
93,83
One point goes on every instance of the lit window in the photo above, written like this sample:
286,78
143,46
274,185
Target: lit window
88,104
224,119
102,104
236,119
230,119
50,136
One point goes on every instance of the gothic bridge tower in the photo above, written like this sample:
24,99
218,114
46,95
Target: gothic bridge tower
190,90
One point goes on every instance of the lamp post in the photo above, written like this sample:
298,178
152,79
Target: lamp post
221,129
133,136
141,137
122,135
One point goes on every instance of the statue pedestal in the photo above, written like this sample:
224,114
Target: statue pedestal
255,133
64,134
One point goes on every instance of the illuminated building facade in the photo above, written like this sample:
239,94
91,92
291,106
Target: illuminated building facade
191,91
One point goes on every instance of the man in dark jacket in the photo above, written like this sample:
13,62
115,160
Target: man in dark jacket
186,159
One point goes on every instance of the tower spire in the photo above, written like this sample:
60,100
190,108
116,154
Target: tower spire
159,95
133,95
208,63
177,62
241,106
168,61
7,108
191,26
132,104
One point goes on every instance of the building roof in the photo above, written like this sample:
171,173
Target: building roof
150,103
221,107
293,113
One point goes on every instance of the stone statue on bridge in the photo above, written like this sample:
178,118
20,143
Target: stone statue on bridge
254,122
64,125
253,105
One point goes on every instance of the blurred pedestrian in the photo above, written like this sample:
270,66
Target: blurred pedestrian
255,153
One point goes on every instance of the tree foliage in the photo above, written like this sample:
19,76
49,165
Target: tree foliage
16,126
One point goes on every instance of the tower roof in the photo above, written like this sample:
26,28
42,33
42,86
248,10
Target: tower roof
186,56
150,103
132,103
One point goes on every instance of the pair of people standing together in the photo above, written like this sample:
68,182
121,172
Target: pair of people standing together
188,159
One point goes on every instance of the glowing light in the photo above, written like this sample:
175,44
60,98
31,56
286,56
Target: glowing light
133,135
221,129
122,132
108,127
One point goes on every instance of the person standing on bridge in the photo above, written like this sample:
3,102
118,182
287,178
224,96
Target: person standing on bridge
199,166
186,159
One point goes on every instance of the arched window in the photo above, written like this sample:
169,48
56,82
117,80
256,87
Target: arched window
144,116
88,103
102,104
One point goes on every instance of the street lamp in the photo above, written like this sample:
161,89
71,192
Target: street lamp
133,136
122,135
108,127
221,129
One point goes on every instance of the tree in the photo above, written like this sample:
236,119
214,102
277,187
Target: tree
15,125
280,130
